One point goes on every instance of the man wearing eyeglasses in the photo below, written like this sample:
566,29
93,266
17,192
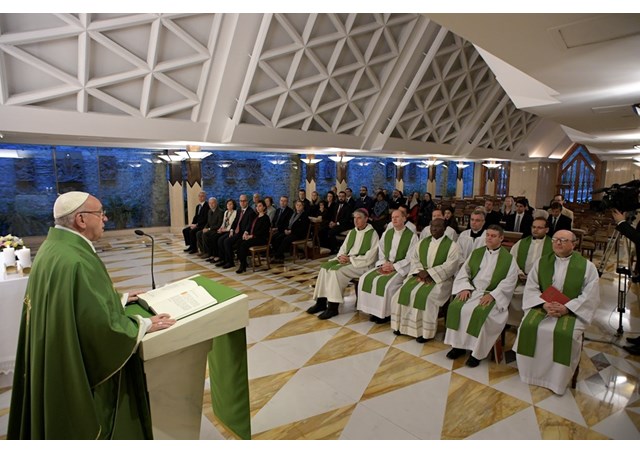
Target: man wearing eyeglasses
560,300
77,374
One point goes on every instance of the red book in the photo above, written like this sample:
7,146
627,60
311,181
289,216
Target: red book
553,294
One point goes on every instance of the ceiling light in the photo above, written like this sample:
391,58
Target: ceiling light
195,155
341,159
399,163
224,164
636,146
1,135
153,161
278,161
636,109
462,165
432,163
309,161
10,154
171,157
492,165
364,163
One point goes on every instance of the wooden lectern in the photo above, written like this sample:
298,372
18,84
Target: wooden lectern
175,360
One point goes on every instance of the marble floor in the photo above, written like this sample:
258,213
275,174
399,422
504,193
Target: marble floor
347,378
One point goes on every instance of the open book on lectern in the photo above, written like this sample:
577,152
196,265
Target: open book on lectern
180,299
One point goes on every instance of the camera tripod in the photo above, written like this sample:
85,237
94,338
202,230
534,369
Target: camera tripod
624,272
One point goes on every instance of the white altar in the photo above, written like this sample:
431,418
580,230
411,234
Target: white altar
12,289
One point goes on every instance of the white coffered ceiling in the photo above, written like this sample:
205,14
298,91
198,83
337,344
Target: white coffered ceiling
511,86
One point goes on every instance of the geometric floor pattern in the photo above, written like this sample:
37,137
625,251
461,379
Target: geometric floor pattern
347,378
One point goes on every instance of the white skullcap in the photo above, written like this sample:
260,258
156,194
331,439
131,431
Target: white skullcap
68,202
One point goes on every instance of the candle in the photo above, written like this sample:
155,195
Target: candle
9,255
24,257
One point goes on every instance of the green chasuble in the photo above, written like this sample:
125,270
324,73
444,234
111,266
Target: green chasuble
351,240
403,248
481,312
523,250
77,374
420,299
563,331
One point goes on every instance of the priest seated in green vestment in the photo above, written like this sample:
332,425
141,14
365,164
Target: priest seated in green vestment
483,289
560,299
77,373
357,255
526,252
434,262
377,287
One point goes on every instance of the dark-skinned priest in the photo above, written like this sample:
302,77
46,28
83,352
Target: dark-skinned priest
560,299
434,262
357,255
483,288
77,373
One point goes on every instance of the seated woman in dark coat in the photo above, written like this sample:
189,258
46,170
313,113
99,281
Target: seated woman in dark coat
450,220
380,215
258,235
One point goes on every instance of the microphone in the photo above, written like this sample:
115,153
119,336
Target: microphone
153,245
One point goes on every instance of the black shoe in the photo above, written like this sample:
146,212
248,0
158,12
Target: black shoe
383,320
455,353
241,270
373,318
321,305
472,362
397,332
634,341
191,252
228,266
633,350
422,339
188,249
330,312
220,263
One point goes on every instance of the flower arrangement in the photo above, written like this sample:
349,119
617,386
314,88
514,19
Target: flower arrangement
11,241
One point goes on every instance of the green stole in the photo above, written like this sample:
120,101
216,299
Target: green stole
403,248
523,250
420,299
334,265
481,312
563,332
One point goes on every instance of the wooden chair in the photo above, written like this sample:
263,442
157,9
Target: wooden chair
510,238
295,245
257,250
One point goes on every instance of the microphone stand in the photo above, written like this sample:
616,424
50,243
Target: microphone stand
153,246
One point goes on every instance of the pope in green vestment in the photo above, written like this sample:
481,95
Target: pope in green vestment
77,374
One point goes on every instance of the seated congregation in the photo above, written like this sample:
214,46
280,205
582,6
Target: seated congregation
412,265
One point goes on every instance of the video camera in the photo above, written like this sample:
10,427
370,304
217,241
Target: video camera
623,197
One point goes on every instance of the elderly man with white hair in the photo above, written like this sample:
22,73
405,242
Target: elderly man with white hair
357,255
560,299
77,373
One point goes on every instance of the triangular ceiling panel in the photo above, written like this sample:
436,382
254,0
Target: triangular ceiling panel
198,26
22,77
98,106
105,62
135,39
188,77
67,103
173,47
128,92
49,51
20,22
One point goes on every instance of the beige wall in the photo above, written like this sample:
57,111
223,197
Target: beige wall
620,171
534,180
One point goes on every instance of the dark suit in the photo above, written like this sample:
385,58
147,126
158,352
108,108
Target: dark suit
352,203
563,223
366,202
525,224
297,230
344,222
200,220
259,229
214,220
281,219
227,243
492,218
